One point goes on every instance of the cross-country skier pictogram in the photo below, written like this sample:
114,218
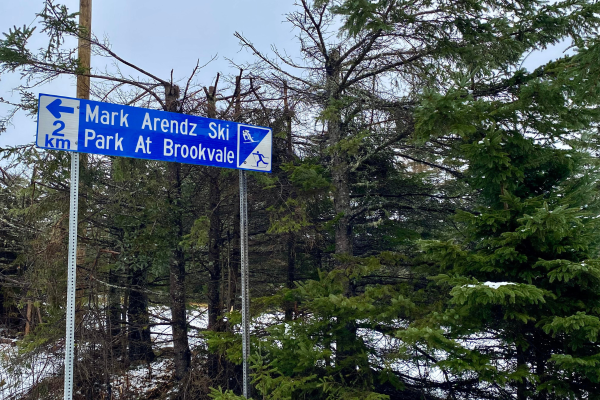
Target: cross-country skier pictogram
261,158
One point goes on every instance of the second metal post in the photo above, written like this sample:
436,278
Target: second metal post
245,281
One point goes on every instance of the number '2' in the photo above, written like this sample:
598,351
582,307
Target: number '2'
60,128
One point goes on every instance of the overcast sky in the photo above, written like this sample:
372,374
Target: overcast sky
163,35
158,36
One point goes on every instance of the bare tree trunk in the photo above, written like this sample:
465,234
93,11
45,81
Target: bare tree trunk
216,365
291,242
234,259
28,318
214,253
234,238
123,342
113,316
521,385
39,314
288,120
339,162
140,344
348,345
4,317
291,274
214,233
181,348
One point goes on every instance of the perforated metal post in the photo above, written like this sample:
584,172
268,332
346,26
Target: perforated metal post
245,281
71,279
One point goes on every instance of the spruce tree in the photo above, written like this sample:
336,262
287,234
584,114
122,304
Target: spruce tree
523,284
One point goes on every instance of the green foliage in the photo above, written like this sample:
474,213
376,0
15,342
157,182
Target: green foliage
295,358
288,217
361,15
585,326
57,23
219,394
533,241
198,236
481,294
45,334
308,177
13,48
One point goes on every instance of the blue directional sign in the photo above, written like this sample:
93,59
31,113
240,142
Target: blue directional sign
87,126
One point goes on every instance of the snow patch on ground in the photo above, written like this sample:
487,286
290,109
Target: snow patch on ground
19,373
142,379
493,285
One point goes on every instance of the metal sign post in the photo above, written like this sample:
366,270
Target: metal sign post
245,281
71,278
83,91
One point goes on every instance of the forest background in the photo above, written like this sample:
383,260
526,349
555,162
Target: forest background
429,231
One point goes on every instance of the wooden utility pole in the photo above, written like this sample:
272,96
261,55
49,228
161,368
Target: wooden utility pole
83,91
84,48
84,52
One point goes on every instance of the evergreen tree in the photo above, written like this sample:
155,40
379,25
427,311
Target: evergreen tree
523,283
474,116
